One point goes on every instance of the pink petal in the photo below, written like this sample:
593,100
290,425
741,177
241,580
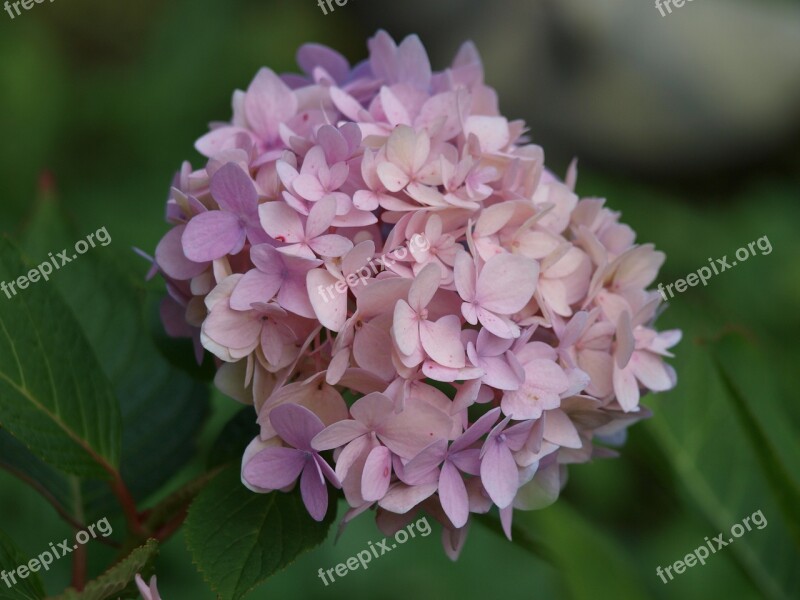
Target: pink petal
369,350
559,429
254,286
425,462
171,259
372,410
308,187
507,283
358,257
453,495
212,235
464,273
338,435
296,425
331,245
499,473
330,305
274,468
281,222
232,329
405,328
626,388
320,217
268,103
234,191
478,429
272,343
625,340
424,287
419,424
312,55
651,370
442,341
392,178
401,498
314,491
377,474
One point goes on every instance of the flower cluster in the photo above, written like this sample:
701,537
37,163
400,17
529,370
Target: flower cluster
505,332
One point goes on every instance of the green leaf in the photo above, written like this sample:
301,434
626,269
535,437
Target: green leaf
238,538
11,557
162,408
709,446
118,581
588,559
771,438
54,396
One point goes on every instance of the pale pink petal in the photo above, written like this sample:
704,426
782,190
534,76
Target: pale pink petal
405,328
338,434
442,341
268,103
281,222
171,259
372,410
559,429
651,370
499,473
392,178
418,468
465,279
314,491
401,498
320,217
296,425
377,474
212,235
331,245
507,283
330,305
453,495
424,286
308,187
274,468
254,286
626,388
234,190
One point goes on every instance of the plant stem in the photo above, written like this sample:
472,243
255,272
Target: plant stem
79,568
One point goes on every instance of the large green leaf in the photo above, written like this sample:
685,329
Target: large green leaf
709,445
741,367
162,408
118,581
239,538
54,396
591,563
30,588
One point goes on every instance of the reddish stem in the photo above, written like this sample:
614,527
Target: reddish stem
79,567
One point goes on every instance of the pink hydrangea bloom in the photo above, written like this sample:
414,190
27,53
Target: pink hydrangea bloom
418,310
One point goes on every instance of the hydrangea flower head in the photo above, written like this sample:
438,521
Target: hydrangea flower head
382,234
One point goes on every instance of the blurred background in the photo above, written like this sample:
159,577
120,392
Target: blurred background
688,123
